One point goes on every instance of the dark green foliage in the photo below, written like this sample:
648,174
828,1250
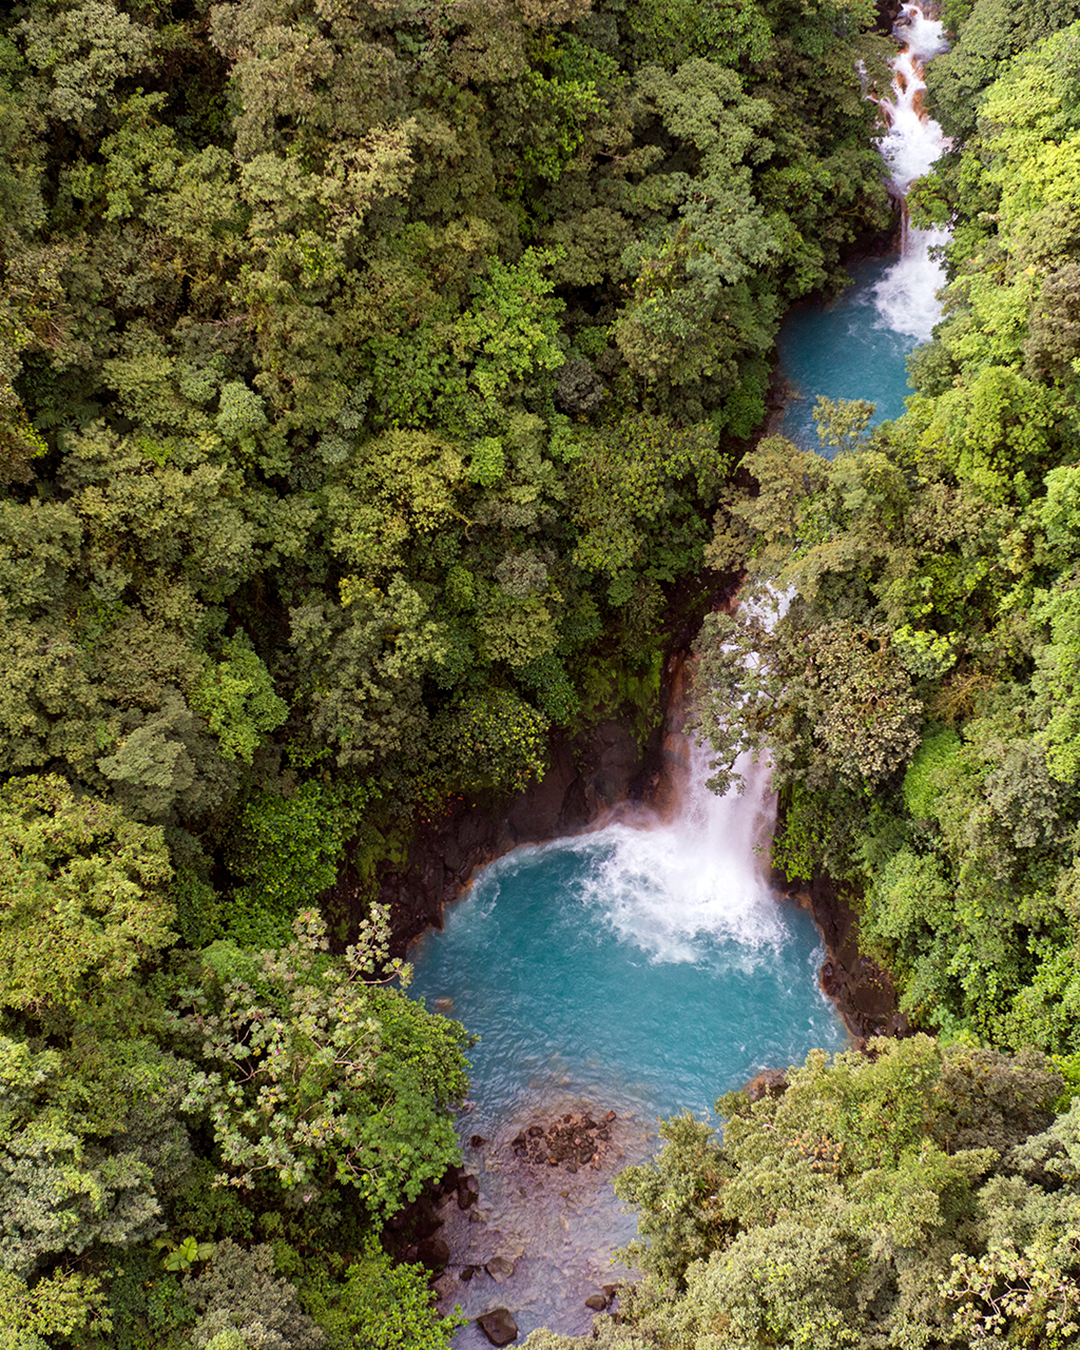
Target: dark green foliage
368,375
379,1306
905,1197
285,852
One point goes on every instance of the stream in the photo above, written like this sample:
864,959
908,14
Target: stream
645,968
857,346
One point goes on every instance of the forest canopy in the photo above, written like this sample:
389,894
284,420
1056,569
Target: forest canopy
371,375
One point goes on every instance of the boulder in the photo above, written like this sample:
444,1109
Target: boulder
500,1268
468,1192
597,1302
498,1326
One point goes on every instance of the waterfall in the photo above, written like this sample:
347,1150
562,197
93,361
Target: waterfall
634,972
693,888
906,297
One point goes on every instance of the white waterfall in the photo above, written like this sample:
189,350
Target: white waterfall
906,296
676,889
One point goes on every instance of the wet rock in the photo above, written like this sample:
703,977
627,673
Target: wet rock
500,1268
770,1083
610,1290
468,1192
467,1272
864,994
498,1326
597,1302
451,1179
477,1141
571,1142
434,1253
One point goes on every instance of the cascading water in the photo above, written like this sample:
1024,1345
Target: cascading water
644,969
906,297
857,347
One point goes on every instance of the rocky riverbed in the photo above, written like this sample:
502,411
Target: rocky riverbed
533,1210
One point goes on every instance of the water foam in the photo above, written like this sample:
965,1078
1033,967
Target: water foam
906,298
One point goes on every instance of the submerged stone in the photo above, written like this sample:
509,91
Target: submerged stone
498,1326
500,1268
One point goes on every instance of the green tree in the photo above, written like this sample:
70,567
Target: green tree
317,1076
85,894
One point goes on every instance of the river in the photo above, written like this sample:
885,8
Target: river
857,346
645,968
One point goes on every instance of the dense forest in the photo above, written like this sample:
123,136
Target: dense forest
371,376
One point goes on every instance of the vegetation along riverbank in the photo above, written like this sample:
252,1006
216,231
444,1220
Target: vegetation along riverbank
378,382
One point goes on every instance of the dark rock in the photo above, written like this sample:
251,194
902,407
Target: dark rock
467,1272
468,1192
434,1253
770,1083
500,1268
498,1326
597,1302
609,1117
864,994
571,1142
610,1290
477,1141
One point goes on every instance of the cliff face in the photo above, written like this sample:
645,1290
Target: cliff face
864,993
586,780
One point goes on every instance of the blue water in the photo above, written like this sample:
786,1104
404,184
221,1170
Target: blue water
844,351
637,971
554,958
